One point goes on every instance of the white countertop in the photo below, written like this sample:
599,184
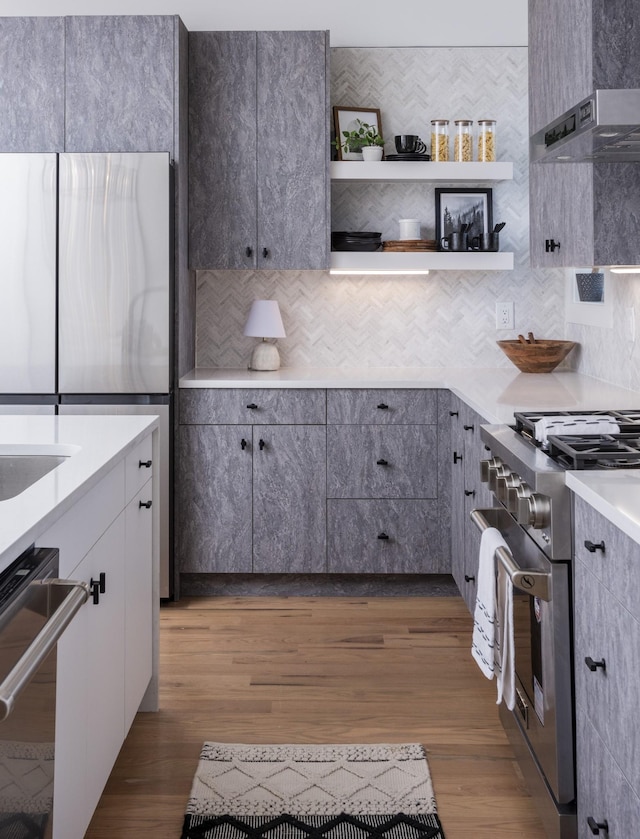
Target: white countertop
95,444
494,393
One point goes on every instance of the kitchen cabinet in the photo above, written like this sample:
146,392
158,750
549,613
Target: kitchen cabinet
251,481
389,171
468,492
259,148
383,471
588,208
607,648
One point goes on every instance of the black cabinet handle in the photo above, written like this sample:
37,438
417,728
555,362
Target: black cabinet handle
146,504
98,587
265,252
468,427
453,413
383,407
456,457
145,463
469,492
252,406
469,579
593,665
383,536
551,246
382,462
595,827
261,444
592,547
243,444
248,251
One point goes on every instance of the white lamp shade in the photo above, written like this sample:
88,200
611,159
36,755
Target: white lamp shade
264,320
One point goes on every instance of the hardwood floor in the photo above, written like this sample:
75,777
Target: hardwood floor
320,670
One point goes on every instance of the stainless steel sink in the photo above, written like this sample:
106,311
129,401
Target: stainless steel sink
19,471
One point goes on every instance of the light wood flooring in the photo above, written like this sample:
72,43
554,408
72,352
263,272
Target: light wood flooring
319,670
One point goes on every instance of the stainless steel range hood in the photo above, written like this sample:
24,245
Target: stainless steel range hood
603,127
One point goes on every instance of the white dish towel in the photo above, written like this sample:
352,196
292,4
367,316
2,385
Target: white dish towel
575,424
492,644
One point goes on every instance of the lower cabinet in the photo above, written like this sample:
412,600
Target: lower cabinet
607,650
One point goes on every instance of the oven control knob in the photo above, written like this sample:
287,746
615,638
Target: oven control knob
534,511
514,494
504,484
485,465
496,472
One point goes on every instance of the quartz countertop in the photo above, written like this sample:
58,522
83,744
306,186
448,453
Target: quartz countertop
615,494
94,445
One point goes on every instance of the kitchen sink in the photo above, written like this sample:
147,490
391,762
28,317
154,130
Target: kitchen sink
21,466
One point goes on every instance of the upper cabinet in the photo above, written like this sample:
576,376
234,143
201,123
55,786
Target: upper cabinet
259,150
581,213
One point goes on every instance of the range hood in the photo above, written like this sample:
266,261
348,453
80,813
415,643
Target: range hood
603,127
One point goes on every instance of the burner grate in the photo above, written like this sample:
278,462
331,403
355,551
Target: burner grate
596,451
628,421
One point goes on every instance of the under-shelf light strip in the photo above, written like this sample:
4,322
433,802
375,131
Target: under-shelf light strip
378,271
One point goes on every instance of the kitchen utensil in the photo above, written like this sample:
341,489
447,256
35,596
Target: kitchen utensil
537,355
409,144
530,338
522,339
499,227
454,242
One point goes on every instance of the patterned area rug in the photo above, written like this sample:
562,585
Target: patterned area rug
320,792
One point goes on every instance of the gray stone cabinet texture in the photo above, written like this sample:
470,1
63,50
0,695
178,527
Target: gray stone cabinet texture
589,208
607,656
259,150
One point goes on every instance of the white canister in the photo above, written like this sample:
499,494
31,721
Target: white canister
409,228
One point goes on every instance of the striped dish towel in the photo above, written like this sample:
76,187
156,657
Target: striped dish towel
484,616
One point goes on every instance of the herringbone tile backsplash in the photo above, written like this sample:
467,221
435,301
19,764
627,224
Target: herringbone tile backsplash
445,318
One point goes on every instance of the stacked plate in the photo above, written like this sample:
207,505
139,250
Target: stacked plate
408,156
355,241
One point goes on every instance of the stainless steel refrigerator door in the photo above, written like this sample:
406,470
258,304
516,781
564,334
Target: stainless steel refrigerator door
114,273
28,284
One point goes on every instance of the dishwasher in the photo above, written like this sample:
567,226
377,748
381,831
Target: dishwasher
35,609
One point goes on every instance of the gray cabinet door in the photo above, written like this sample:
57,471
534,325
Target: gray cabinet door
457,494
32,86
120,83
222,150
213,474
289,499
382,406
257,406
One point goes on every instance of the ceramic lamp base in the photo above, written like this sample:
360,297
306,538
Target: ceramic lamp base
265,356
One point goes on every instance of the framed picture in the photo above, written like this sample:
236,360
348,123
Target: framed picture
455,207
349,119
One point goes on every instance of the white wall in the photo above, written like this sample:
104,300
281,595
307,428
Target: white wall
371,23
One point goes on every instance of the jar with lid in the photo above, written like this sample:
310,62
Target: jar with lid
439,139
463,141
487,140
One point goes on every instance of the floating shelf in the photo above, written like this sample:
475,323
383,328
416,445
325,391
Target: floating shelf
359,261
410,171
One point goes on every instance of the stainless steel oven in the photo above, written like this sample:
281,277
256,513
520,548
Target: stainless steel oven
35,608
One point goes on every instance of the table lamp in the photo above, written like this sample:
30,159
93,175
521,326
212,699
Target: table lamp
264,322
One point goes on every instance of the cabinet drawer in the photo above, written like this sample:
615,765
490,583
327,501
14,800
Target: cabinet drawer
369,461
268,406
603,791
138,468
356,542
611,696
382,406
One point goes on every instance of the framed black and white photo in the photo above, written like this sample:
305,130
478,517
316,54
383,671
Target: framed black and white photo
455,207
350,119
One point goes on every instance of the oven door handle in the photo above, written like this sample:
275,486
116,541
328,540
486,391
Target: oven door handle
534,583
15,681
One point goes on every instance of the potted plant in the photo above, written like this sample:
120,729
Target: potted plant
364,139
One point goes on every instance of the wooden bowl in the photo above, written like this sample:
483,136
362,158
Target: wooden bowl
542,356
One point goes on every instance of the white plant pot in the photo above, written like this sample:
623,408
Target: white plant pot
372,153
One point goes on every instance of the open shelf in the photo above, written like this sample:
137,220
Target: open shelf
410,171
357,261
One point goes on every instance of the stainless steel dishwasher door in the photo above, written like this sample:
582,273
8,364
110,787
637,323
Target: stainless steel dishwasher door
35,608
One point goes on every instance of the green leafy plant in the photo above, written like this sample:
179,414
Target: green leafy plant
355,140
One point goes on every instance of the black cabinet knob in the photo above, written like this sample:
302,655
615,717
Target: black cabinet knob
468,427
145,504
594,665
383,536
383,407
248,251
453,413
595,827
265,252
469,579
382,462
146,464
551,246
592,547
252,406
98,587
469,492
261,444
243,444
456,457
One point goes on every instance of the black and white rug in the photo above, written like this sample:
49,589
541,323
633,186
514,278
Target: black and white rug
320,792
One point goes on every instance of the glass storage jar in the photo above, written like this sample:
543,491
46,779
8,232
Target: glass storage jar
440,139
463,141
487,140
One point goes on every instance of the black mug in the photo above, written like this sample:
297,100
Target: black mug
454,242
486,242
409,144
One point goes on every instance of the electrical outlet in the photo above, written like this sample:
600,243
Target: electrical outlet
505,318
